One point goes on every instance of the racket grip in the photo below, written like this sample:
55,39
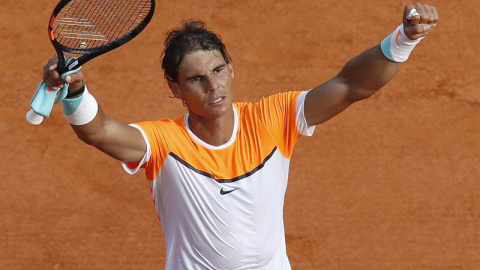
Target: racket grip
34,118
44,98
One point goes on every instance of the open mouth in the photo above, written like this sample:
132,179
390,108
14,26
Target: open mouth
217,100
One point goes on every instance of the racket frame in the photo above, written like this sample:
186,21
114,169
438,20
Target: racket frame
89,54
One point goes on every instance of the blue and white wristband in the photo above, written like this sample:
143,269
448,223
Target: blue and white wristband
80,110
397,46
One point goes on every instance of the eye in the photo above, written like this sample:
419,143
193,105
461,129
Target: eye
195,79
217,70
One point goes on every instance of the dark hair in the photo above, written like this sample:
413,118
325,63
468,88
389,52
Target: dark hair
191,37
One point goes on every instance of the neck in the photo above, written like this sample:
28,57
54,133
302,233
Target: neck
216,132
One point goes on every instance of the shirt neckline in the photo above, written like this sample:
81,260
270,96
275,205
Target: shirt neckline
207,145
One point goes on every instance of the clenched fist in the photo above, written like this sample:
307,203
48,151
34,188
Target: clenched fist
419,19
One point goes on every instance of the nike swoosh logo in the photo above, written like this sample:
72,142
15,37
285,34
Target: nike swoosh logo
224,192
397,36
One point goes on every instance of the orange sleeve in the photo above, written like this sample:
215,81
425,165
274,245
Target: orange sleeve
278,113
157,133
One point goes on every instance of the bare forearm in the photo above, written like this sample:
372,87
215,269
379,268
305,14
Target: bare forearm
367,73
92,132
112,137
90,123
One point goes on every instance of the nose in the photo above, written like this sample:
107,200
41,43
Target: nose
211,85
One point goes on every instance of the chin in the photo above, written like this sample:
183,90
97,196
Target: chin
220,111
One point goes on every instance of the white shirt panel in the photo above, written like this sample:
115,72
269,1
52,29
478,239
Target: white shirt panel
303,127
239,230
146,156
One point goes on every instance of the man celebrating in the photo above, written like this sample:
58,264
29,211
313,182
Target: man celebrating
219,173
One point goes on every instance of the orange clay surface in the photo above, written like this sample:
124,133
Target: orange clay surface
392,183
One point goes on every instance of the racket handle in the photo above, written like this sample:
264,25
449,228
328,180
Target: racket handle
41,104
34,118
44,98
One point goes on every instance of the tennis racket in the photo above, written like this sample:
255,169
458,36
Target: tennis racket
87,28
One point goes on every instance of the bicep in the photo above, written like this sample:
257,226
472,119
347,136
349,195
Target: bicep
360,78
123,142
327,100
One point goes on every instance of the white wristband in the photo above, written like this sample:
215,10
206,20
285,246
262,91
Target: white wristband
81,110
397,46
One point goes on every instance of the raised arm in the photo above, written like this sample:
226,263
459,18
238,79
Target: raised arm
365,74
91,124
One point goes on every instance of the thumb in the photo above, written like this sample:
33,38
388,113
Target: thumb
74,77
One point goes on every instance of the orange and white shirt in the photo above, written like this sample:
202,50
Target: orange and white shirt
221,207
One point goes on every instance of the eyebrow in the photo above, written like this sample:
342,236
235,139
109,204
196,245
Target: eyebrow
199,75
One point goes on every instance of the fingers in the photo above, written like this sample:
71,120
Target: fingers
75,80
51,76
53,79
419,30
428,14
411,16
74,77
423,18
435,16
424,14
419,19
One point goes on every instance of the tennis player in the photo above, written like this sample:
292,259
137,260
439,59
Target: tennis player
219,173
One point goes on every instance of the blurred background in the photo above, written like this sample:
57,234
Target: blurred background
391,183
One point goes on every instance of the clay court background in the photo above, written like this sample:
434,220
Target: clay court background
392,183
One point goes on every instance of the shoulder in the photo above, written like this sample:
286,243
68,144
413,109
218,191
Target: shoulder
283,101
163,124
281,97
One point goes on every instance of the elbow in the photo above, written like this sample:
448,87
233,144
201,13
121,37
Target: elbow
356,91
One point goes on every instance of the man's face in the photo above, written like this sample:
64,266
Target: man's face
205,83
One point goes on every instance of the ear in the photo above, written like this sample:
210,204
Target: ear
230,66
174,88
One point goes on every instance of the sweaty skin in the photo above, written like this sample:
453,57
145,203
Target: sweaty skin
209,197
205,83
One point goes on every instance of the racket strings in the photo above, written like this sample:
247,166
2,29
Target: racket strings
131,17
87,24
